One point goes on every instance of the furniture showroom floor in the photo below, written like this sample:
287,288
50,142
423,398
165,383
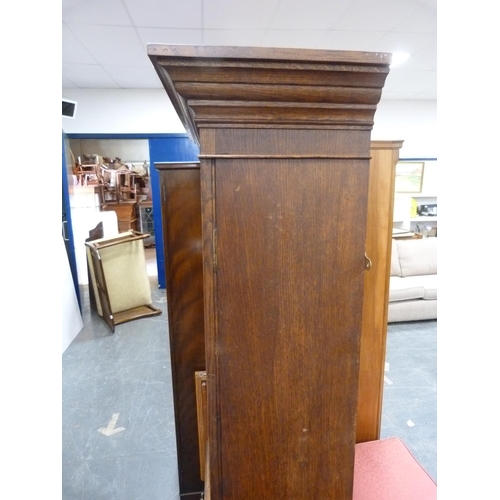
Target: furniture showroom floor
118,435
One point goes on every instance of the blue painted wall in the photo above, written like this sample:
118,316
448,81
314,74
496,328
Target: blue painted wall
66,216
174,147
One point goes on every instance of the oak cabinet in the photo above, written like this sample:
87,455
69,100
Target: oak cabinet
284,141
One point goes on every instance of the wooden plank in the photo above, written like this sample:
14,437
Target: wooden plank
201,411
289,289
385,155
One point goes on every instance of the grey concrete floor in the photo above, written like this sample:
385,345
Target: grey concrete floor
409,409
118,432
122,382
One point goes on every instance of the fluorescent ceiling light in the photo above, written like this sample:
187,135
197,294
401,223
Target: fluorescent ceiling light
398,58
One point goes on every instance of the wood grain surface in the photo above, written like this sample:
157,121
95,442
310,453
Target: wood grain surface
284,174
181,217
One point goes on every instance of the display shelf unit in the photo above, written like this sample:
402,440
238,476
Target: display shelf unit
429,221
404,217
146,222
402,211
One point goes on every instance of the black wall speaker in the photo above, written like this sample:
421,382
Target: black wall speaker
69,108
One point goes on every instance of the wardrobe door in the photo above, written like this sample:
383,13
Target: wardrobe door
283,350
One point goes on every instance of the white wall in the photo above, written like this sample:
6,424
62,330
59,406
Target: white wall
85,215
110,111
106,111
72,322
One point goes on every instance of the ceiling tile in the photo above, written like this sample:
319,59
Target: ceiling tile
297,14
174,36
423,20
73,51
88,76
294,38
403,42
102,12
350,40
68,84
234,37
134,78
238,14
165,14
114,34
115,45
380,15
425,59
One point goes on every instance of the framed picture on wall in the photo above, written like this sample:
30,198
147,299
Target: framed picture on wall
409,177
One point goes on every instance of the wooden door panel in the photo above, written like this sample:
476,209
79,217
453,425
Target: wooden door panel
290,268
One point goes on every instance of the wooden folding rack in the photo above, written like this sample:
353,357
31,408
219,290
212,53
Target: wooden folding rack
123,296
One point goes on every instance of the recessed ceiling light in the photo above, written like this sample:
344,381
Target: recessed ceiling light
399,58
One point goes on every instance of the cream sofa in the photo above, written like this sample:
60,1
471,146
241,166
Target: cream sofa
413,281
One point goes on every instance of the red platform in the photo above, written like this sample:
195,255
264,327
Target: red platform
386,470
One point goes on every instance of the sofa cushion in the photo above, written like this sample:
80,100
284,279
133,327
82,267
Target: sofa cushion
395,267
430,286
417,257
405,288
412,310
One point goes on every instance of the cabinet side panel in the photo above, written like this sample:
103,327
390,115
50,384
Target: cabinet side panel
181,217
376,292
289,292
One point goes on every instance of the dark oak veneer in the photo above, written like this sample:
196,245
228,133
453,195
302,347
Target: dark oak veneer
181,219
284,168
187,340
